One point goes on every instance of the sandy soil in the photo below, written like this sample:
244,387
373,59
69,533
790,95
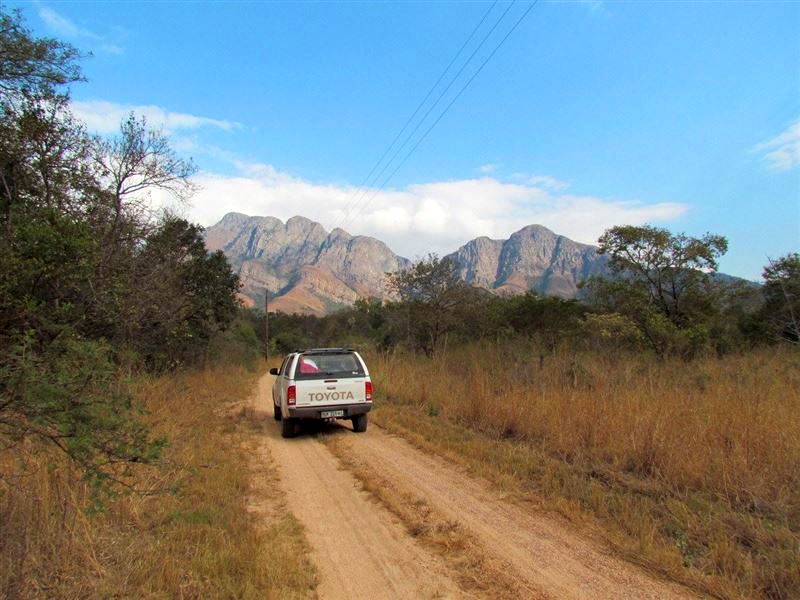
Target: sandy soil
541,547
345,527
359,548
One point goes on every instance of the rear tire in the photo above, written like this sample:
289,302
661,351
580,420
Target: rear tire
360,423
276,412
288,428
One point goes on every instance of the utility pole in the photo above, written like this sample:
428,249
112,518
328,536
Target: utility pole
266,323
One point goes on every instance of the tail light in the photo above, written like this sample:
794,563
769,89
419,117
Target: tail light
368,391
291,395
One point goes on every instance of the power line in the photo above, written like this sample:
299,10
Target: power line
416,111
356,206
363,188
447,108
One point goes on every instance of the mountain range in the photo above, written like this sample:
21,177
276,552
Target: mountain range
312,271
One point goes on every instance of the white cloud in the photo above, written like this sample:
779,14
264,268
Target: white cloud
488,168
430,217
783,151
112,48
105,117
543,181
64,27
61,25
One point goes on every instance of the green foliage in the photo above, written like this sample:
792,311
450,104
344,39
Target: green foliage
435,303
238,343
737,304
179,298
781,311
671,270
70,394
662,284
546,318
92,283
602,329
31,64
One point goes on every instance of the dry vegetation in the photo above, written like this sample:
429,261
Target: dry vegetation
194,536
692,469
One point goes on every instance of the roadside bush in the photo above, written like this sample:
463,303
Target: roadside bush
237,345
611,330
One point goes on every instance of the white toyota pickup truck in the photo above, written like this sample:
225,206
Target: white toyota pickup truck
321,383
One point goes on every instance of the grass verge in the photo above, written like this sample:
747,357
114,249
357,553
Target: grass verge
210,526
692,470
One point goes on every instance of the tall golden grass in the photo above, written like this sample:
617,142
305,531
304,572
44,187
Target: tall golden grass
194,535
692,468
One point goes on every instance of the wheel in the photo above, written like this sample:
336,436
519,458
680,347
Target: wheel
276,412
287,428
360,423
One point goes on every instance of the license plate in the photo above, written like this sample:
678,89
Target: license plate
328,414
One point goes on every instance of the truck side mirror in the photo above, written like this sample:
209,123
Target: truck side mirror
273,371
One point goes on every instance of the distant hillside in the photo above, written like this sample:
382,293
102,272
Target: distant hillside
309,270
306,269
533,258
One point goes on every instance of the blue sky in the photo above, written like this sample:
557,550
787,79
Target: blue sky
681,114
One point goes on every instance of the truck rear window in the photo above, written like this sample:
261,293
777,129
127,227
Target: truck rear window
320,366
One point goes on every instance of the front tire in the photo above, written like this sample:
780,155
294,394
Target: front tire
288,428
360,423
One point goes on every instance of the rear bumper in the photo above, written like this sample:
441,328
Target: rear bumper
315,412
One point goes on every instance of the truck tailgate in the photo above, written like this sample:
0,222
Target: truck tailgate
331,392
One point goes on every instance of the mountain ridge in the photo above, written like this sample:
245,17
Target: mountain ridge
310,270
306,268
532,258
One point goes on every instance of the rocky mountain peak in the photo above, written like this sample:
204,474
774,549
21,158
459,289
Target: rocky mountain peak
300,224
535,231
305,268
308,269
338,232
533,258
232,219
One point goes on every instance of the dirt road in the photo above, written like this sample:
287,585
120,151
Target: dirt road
363,551
360,550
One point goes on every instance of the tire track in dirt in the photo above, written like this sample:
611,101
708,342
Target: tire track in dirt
359,548
541,548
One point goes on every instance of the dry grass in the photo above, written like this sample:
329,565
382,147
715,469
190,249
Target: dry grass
693,469
200,535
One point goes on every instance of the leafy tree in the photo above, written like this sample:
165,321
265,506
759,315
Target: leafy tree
372,309
435,301
671,268
238,343
614,328
88,274
662,284
781,291
36,139
549,319
179,297
33,66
